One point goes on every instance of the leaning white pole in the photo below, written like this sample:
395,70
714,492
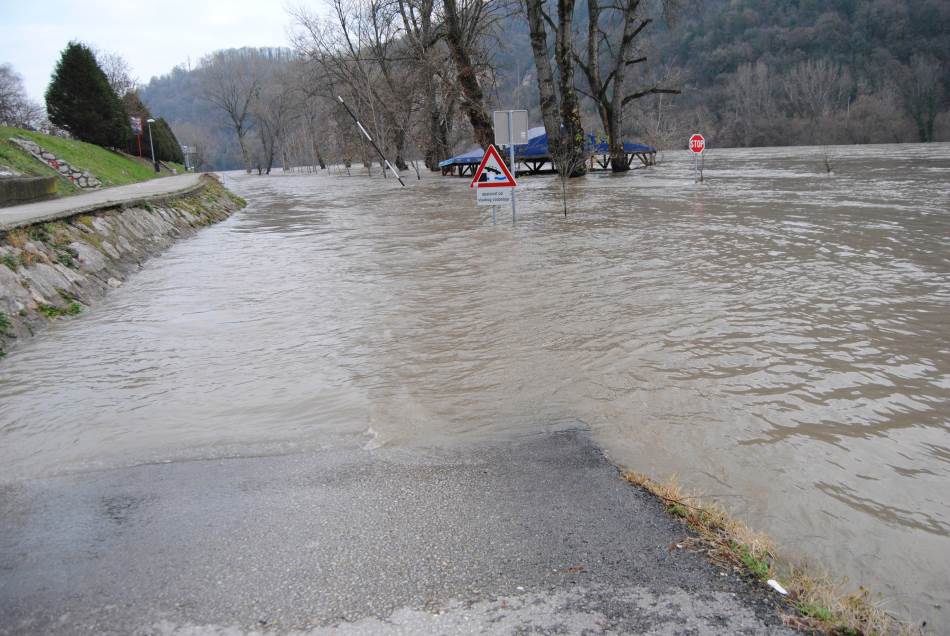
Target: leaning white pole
370,139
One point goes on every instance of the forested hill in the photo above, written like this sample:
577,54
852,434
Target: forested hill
866,36
752,72
845,71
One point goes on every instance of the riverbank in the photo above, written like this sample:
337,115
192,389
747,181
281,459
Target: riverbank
57,268
817,600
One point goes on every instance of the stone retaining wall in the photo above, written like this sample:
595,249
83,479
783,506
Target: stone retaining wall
79,177
57,269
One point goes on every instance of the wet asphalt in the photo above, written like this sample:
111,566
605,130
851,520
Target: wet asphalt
539,536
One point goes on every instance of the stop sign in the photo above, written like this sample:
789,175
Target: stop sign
697,143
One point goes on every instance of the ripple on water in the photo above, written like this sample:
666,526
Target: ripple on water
777,337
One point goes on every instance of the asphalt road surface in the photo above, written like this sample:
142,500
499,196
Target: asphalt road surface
541,536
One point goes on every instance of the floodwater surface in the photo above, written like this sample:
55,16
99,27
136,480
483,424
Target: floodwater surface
777,337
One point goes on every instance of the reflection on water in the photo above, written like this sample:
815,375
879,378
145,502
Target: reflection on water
778,337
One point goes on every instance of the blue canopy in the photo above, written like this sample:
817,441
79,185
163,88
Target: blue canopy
537,149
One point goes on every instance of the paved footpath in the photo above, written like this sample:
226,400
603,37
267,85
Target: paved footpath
20,215
539,536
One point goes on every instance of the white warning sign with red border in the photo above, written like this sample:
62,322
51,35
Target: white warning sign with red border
493,181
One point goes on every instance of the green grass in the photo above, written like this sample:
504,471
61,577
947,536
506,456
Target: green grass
4,323
111,168
10,261
813,610
20,161
50,311
759,568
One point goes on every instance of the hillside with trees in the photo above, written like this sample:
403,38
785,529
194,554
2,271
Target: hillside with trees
425,73
773,72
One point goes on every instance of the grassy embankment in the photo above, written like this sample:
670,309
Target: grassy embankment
817,602
111,168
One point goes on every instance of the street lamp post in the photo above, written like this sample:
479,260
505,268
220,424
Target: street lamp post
152,143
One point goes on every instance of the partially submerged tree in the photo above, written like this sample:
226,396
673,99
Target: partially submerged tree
922,91
351,55
275,109
422,34
231,81
406,66
80,100
466,21
560,106
609,55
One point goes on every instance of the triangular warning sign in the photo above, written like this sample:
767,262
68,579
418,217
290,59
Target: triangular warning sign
492,172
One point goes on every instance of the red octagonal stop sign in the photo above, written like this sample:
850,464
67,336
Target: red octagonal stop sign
697,143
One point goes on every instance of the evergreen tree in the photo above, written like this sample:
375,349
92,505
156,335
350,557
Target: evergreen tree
167,147
80,100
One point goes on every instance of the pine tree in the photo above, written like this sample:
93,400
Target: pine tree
167,147
80,100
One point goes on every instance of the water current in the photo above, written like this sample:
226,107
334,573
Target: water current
777,337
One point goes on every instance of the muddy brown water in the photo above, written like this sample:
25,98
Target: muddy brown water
777,337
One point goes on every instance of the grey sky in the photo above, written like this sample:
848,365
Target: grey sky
152,37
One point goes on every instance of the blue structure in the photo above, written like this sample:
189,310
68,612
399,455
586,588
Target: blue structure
535,154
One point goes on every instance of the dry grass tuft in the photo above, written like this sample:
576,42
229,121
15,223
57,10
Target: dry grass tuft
822,603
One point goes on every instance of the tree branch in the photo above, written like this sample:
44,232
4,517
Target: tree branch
650,91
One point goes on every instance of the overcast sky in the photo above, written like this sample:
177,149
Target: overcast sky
153,37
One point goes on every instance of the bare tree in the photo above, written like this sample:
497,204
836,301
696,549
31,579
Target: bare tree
117,71
465,22
922,92
750,96
422,33
353,54
16,109
815,88
607,52
275,108
660,125
231,81
560,107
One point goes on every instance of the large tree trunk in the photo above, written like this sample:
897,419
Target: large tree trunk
618,158
314,146
550,112
572,131
467,77
244,153
437,147
399,146
562,120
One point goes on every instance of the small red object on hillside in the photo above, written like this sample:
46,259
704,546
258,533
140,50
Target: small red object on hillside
697,143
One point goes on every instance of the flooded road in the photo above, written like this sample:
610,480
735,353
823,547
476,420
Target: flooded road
777,337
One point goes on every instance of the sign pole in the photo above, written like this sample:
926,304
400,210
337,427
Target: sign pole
511,154
697,145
